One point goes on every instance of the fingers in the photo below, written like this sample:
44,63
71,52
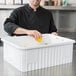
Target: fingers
37,34
34,33
54,33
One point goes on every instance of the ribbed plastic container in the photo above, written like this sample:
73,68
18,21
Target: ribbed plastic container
26,54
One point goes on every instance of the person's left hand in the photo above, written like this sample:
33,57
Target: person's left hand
54,33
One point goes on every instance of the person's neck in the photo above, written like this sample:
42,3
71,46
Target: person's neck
33,7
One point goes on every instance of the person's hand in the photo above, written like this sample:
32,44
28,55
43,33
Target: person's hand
54,33
34,33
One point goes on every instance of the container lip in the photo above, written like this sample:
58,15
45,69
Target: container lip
6,40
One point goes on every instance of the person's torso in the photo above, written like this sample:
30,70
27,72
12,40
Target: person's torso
34,20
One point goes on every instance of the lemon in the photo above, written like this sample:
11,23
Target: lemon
39,39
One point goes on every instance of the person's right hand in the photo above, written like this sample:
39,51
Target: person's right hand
34,33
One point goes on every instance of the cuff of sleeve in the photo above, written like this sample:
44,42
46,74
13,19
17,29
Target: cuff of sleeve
13,29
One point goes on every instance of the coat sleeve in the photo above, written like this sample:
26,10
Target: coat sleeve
52,24
10,23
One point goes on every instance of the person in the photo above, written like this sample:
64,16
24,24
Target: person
30,19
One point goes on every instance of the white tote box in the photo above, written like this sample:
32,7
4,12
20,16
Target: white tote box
26,54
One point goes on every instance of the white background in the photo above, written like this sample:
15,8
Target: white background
9,1
17,1
71,1
2,1
25,1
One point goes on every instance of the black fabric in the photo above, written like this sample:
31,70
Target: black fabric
26,17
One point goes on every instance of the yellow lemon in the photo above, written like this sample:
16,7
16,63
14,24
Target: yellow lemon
39,39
